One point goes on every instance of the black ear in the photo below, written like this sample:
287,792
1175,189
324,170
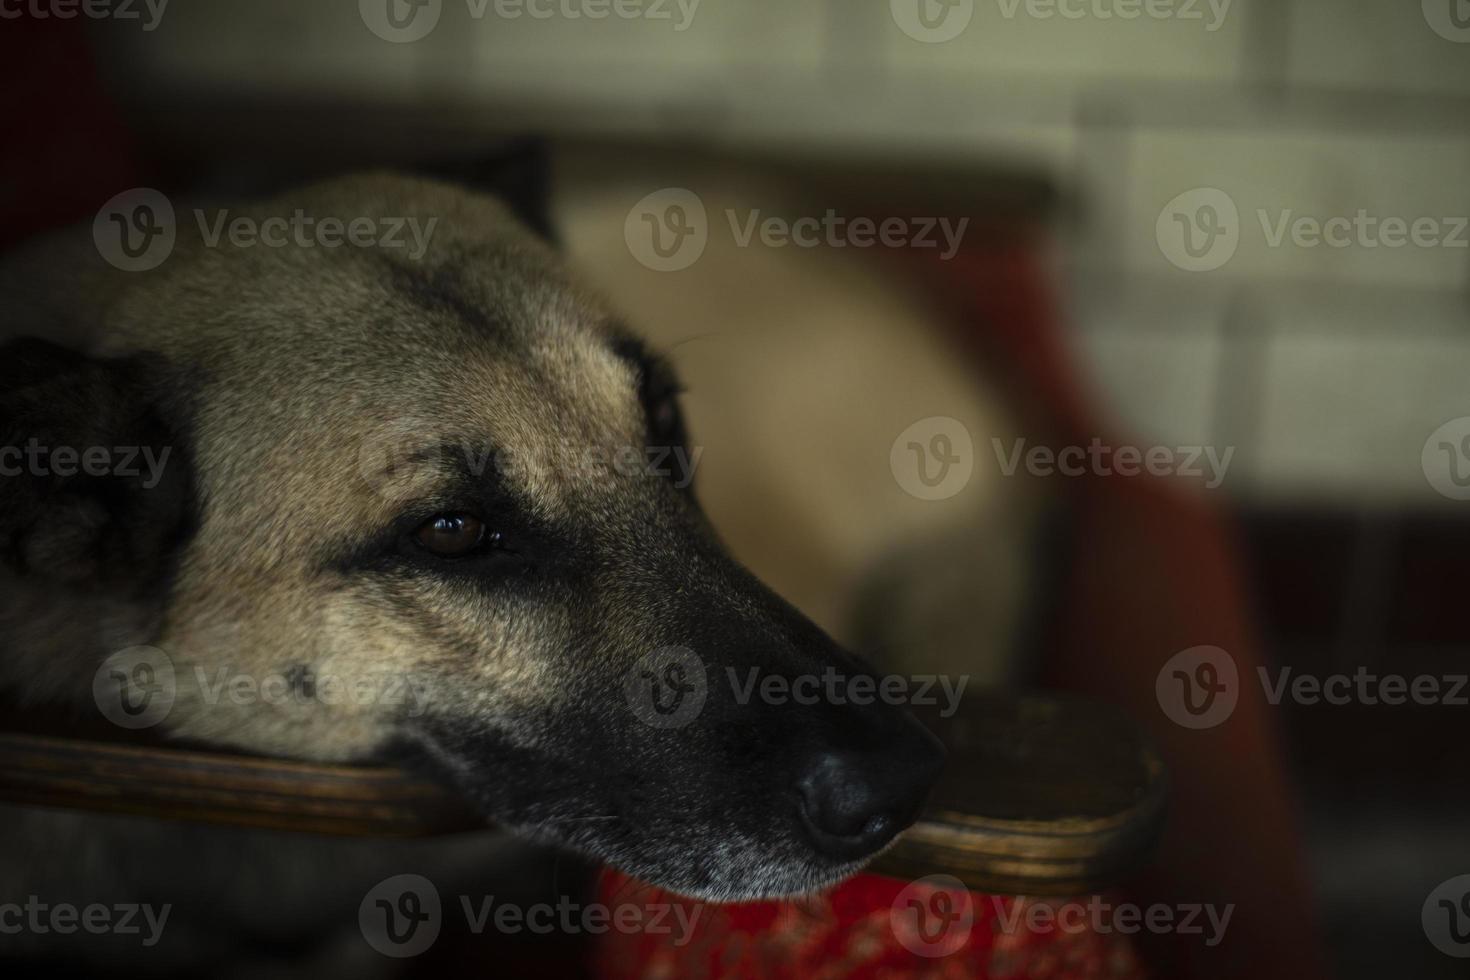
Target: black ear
96,490
519,173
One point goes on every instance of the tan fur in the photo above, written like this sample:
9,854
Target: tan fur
293,389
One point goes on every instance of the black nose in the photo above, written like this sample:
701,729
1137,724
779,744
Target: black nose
853,803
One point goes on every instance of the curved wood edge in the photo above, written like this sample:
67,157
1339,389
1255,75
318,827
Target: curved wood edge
244,791
1066,856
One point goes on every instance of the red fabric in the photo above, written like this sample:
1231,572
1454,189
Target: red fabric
866,928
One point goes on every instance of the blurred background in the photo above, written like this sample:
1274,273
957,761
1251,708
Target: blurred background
1148,160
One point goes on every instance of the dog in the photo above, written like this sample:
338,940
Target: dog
364,474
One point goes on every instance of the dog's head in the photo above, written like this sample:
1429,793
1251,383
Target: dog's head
436,504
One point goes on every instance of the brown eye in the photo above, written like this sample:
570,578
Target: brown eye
452,535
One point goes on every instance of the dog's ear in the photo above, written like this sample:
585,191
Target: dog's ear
519,173
95,484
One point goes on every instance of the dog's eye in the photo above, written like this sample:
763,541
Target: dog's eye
454,535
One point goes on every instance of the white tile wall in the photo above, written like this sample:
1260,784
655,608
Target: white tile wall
1318,108
1076,40
1274,176
1336,394
1346,417
1367,45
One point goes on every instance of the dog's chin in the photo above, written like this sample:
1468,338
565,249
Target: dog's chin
769,885
730,871
688,858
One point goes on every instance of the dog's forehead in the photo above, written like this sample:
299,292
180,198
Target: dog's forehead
344,449
321,374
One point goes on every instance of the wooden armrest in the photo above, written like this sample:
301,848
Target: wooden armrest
210,787
1040,796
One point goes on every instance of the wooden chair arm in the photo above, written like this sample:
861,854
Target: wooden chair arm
1042,796
209,787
